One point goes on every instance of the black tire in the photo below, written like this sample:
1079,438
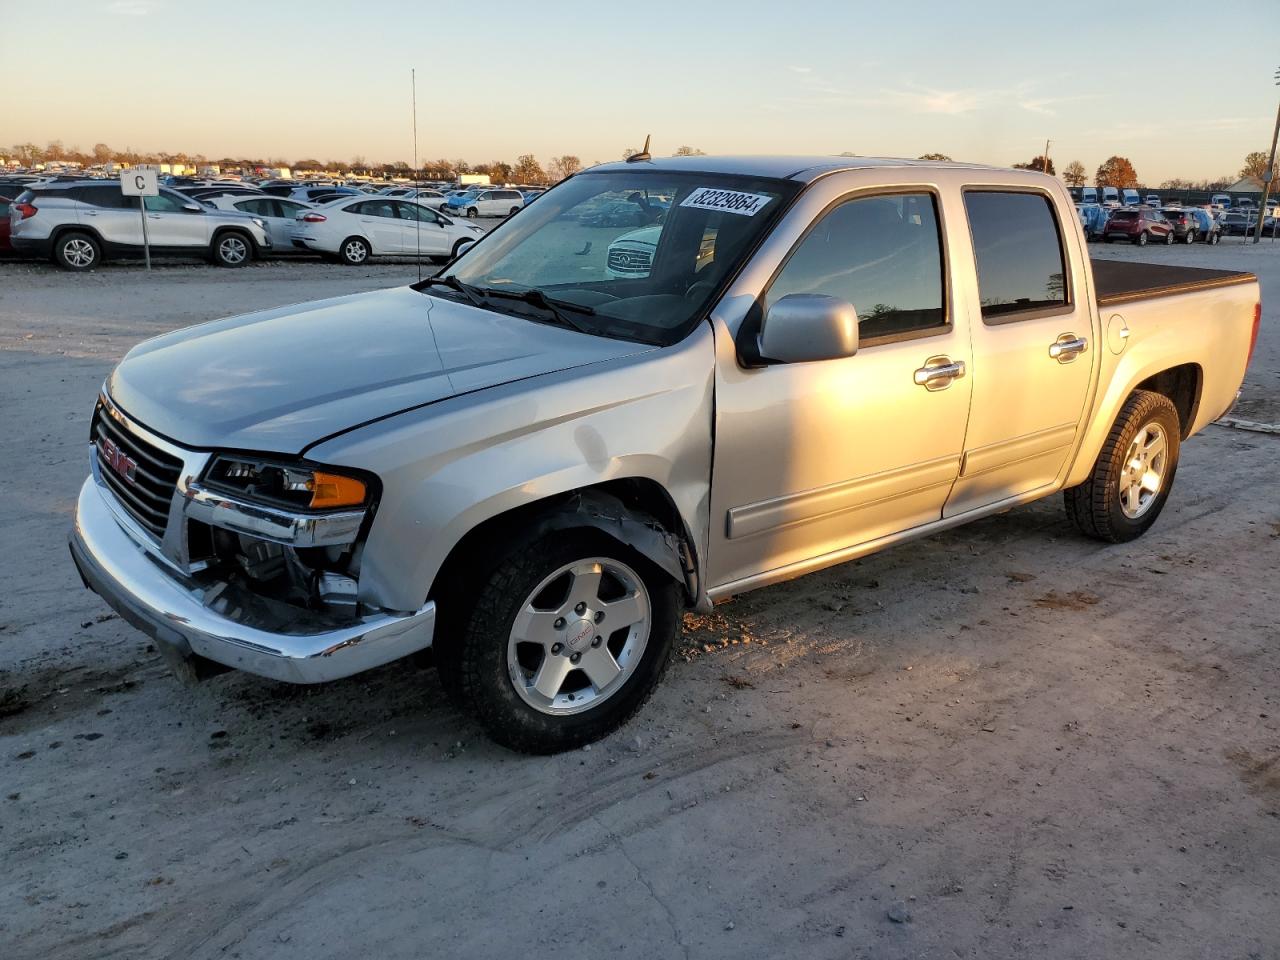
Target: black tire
1094,507
1141,239
231,248
1214,238
473,659
354,251
1168,239
472,212
1191,237
513,211
77,251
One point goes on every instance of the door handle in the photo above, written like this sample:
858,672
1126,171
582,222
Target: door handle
153,216
91,213
938,372
1067,347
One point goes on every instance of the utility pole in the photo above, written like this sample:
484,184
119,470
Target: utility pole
1266,176
1045,164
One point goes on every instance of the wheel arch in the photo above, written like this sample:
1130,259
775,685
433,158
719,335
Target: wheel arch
638,512
1182,385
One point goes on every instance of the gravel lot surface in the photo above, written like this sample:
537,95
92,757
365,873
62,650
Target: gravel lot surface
1000,742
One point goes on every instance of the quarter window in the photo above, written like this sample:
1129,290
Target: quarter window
1018,253
883,255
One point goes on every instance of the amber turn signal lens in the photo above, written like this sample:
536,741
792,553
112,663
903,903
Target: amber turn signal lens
335,490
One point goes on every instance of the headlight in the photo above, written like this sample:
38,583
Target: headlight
293,485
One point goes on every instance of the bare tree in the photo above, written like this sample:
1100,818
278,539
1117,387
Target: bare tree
1073,174
102,153
687,151
934,156
561,167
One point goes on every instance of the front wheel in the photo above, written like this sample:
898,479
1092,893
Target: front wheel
1191,236
1141,239
472,212
565,641
513,211
1214,238
1133,474
1168,239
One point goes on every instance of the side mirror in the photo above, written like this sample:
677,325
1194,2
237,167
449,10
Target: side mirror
803,327
191,207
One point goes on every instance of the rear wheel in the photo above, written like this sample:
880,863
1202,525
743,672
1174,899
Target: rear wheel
513,211
1133,474
1168,239
1191,236
1214,238
1141,239
232,249
354,251
566,639
77,251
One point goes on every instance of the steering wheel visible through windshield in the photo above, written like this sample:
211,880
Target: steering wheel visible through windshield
630,254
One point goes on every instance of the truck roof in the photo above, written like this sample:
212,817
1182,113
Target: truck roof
800,168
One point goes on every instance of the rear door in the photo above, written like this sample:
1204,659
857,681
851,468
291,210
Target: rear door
381,225
113,216
423,232
1034,346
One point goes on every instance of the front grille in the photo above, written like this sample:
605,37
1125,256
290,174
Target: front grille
148,496
630,260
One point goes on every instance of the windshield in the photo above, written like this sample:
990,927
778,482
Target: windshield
632,254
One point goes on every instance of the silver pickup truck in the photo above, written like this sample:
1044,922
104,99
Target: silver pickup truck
534,461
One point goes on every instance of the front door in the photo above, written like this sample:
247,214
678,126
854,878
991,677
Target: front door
814,458
1034,349
424,233
170,224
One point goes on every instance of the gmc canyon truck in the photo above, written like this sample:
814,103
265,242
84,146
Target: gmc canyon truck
535,460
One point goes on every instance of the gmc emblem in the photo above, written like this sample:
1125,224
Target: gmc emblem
119,461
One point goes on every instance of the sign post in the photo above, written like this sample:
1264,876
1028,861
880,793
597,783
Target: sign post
141,184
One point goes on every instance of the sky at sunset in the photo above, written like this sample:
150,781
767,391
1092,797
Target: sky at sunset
984,81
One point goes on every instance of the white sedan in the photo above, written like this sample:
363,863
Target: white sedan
356,228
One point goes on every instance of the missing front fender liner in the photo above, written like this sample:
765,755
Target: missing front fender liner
636,529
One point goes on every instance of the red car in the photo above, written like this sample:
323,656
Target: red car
1138,225
5,246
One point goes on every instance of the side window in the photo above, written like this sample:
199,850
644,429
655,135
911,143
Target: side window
882,254
164,203
379,208
289,209
259,207
359,209
106,197
1018,253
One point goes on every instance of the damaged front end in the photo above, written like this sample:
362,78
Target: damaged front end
234,559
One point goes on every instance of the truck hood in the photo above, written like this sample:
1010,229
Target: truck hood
279,380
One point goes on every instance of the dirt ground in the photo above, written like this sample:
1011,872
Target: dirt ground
1001,742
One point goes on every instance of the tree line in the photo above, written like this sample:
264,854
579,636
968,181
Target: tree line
1119,172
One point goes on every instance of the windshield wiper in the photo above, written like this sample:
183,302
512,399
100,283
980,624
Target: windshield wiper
453,283
554,306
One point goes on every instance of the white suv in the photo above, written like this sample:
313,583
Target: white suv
79,224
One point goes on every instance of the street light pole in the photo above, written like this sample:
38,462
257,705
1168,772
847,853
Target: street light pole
1266,176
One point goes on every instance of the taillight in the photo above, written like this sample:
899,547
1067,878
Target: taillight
1257,322
314,218
26,209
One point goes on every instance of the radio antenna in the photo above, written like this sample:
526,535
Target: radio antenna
417,214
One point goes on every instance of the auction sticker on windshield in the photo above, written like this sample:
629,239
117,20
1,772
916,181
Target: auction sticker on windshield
726,201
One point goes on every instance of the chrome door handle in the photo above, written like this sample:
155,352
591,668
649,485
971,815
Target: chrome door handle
938,372
1067,347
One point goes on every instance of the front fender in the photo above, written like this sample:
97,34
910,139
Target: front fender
451,466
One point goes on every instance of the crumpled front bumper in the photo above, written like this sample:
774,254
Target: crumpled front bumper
177,611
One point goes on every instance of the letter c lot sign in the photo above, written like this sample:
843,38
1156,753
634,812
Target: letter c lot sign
139,183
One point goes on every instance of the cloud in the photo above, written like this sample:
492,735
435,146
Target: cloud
132,8
1045,105
949,102
801,69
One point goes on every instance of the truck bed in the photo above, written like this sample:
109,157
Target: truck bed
1124,281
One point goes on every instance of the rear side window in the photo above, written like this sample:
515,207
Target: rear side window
108,197
881,254
1018,252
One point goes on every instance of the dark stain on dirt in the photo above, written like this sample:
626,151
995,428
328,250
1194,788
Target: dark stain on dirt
1260,774
1075,600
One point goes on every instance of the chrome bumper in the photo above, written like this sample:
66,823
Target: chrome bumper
176,611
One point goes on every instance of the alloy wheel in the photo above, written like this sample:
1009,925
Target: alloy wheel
78,252
1142,474
579,636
